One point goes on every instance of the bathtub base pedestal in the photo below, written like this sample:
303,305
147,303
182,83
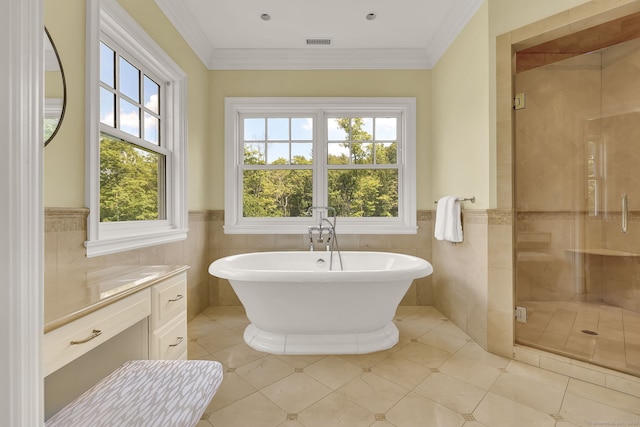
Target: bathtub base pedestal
318,343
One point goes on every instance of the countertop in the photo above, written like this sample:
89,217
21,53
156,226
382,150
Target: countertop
99,288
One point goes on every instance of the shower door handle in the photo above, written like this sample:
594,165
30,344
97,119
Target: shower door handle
625,212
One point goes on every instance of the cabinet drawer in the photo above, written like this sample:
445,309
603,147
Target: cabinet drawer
169,298
170,342
74,339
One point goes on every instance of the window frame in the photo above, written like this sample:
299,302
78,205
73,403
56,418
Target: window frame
106,19
320,108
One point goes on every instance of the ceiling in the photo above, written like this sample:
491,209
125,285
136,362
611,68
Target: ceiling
405,34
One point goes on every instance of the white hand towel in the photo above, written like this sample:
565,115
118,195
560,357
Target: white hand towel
448,221
441,209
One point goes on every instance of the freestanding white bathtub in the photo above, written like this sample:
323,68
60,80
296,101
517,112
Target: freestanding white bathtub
297,306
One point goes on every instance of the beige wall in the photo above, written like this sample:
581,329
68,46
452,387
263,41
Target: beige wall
461,116
405,83
64,156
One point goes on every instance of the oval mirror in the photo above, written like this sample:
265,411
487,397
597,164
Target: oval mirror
55,89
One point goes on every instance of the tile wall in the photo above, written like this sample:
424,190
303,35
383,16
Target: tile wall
65,260
420,292
458,286
66,263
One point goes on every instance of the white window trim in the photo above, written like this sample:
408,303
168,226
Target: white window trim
109,17
405,223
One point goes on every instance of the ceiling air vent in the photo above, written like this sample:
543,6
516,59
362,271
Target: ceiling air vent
318,42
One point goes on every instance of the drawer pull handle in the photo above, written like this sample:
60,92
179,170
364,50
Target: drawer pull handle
96,332
177,298
178,341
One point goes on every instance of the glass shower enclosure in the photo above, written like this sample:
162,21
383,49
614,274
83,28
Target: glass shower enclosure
577,201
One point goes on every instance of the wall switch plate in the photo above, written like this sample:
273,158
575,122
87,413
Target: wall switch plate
521,314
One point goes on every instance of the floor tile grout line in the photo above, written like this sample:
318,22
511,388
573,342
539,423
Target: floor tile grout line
413,388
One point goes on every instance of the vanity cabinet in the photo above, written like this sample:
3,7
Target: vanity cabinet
160,300
168,323
70,341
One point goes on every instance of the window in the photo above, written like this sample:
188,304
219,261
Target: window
132,158
287,155
136,137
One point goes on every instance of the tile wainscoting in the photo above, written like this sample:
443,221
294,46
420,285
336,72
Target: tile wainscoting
420,244
459,286
66,262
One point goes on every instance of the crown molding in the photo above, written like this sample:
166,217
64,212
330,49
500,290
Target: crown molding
183,21
318,59
451,27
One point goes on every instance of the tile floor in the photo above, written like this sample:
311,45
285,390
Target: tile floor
558,326
435,376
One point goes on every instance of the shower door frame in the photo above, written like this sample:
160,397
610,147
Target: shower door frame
501,292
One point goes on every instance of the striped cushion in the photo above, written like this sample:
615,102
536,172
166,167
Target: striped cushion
146,393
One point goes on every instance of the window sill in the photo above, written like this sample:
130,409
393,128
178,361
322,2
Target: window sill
125,243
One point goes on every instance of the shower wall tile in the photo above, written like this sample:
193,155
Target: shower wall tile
553,272
550,161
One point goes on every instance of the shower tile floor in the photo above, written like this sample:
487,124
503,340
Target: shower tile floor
570,328
436,376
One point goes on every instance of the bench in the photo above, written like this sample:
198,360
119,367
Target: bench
147,393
